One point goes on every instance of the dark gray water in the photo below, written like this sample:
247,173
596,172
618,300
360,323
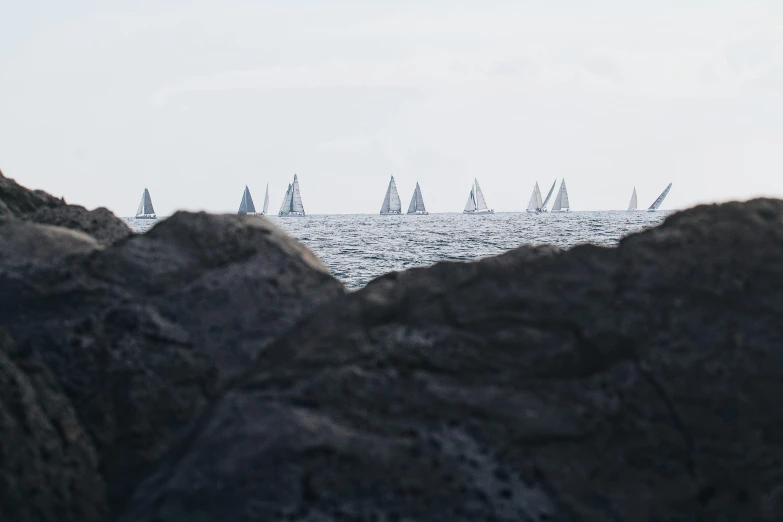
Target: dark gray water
358,248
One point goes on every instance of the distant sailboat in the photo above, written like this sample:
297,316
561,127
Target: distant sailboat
476,203
634,204
265,211
292,202
536,202
657,202
417,203
145,210
561,203
391,202
246,206
549,195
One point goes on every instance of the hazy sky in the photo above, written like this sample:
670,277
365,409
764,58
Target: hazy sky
196,99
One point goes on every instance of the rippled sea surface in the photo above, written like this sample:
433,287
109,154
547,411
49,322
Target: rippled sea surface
358,248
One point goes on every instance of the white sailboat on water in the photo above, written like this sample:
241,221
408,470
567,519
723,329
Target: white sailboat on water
417,203
561,203
476,203
535,203
246,206
391,202
145,210
657,202
634,202
292,202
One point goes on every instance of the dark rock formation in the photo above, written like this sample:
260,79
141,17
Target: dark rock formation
141,334
632,383
48,467
39,207
636,383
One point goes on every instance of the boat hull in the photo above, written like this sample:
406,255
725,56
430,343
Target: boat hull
537,211
147,217
418,213
391,213
560,211
478,212
292,214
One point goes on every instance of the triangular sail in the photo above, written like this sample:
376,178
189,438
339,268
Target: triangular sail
296,202
657,202
145,206
419,200
412,206
535,198
266,200
481,203
634,204
543,205
246,206
471,204
561,200
285,208
391,202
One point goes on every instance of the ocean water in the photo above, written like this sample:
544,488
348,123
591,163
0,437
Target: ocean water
359,248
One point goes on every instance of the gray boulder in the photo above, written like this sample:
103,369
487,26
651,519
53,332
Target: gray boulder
632,383
141,334
39,207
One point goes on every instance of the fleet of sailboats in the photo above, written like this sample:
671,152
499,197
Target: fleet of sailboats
391,201
292,202
145,210
476,203
246,206
417,203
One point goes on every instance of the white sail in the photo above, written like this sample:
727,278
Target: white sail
561,200
481,203
246,206
549,195
391,202
657,202
145,206
535,198
417,202
285,208
470,206
634,203
266,200
296,203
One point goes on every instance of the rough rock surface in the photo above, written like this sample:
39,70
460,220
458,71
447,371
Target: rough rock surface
634,383
220,373
141,333
39,207
48,467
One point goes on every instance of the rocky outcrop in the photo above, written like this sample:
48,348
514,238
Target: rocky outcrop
636,383
39,207
142,333
219,373
48,466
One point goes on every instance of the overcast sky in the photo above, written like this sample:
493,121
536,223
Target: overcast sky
196,99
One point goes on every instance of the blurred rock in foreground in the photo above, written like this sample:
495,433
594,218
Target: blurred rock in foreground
222,374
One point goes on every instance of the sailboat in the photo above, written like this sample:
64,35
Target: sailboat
632,206
292,202
391,202
145,210
265,211
417,203
246,206
561,203
657,202
535,200
476,203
